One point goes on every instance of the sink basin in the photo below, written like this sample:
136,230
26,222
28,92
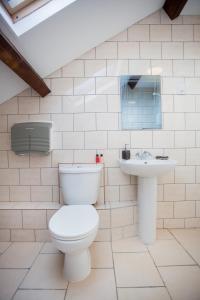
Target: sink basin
147,172
146,168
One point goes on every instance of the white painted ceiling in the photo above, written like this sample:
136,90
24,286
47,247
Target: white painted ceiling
71,31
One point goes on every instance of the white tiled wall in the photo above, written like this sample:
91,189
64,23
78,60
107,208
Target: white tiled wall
85,109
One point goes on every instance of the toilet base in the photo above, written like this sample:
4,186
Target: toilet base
77,266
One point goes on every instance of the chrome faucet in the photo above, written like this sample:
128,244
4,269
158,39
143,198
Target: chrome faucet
143,155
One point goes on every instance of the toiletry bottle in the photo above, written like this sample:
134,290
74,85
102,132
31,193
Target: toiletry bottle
97,159
126,154
101,158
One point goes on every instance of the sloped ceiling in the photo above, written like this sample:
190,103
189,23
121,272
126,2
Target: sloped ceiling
69,33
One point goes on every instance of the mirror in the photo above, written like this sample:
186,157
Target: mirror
140,102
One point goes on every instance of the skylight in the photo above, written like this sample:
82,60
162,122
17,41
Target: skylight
19,9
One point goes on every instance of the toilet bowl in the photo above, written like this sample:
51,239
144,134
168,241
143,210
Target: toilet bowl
73,227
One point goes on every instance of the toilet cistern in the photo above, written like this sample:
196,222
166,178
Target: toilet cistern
147,171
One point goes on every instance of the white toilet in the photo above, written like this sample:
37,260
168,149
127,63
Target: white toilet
74,226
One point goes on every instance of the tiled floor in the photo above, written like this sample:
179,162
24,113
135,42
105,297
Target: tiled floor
123,270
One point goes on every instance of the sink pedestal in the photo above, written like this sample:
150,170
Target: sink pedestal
147,202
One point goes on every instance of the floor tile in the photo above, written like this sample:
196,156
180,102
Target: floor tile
101,255
128,245
135,270
99,285
169,253
49,248
46,273
4,246
164,234
20,255
40,295
183,282
156,293
9,282
190,240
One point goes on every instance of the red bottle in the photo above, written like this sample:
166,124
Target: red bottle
97,159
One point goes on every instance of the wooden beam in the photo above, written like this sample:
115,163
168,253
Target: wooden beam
173,8
17,63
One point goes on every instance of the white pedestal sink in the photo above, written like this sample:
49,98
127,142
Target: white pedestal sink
147,172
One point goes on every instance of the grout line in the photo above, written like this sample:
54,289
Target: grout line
159,273
184,248
116,287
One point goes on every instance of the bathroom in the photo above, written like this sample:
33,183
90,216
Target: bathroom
84,110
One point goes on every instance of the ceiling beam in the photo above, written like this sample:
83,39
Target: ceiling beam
173,8
17,63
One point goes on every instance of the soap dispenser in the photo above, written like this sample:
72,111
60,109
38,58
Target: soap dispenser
126,154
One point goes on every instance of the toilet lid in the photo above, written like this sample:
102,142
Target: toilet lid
72,222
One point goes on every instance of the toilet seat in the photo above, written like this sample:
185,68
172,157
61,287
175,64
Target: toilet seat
73,222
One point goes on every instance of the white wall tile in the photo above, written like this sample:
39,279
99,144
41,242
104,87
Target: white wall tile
174,223
73,104
142,67
107,85
62,122
73,140
41,193
107,121
111,157
184,139
167,103
185,174
193,191
197,32
150,50
113,102
182,32
28,105
184,209
95,68
173,85
174,192
10,219
112,193
197,67
191,19
165,209
9,107
60,156
193,156
9,176
89,54
128,193
37,160
96,103
128,50
49,176
84,156
107,50
161,67
30,176
51,104
4,193
96,140
172,50
184,103
115,176
192,121
121,216
183,67
177,154
3,123
163,139
141,140
117,67
62,86
73,69
20,193
84,122
34,219
117,139
84,86
192,50
174,121
138,33
18,161
192,85
3,159
160,32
